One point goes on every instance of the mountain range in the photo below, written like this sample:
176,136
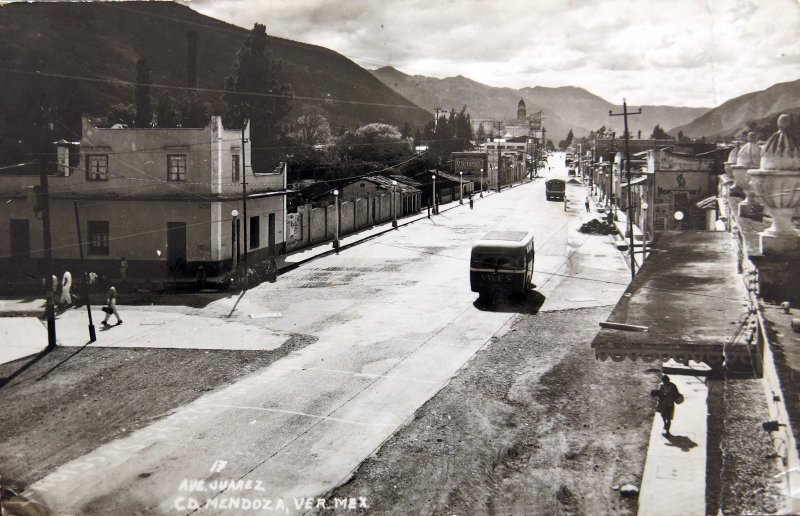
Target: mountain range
733,116
563,108
84,55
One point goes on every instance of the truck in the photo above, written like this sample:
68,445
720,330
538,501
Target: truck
555,189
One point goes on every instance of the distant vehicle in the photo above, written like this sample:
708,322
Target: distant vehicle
502,262
555,189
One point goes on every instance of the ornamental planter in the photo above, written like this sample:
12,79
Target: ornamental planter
777,185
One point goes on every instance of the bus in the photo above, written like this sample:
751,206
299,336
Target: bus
502,262
555,189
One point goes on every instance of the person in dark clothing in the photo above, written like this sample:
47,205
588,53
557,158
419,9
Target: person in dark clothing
667,395
587,204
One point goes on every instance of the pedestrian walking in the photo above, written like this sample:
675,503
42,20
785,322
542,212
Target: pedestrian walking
111,307
471,202
123,270
668,395
66,286
587,204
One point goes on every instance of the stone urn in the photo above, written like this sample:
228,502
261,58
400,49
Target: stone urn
777,185
749,156
726,180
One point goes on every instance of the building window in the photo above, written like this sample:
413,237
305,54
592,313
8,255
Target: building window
255,231
235,168
97,167
176,164
98,237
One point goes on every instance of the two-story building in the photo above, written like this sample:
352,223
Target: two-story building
679,182
168,200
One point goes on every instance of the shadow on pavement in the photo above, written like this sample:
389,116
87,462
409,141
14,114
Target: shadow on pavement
529,303
682,442
6,380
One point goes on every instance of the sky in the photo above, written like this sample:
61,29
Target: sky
673,52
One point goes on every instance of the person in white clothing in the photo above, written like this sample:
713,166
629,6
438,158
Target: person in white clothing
111,308
66,285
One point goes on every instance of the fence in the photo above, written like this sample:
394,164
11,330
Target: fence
310,225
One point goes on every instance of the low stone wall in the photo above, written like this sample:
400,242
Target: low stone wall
310,226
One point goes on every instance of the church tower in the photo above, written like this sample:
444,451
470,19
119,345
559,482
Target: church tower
522,111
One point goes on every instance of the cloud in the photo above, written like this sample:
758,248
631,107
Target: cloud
685,52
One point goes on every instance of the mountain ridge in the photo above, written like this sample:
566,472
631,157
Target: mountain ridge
83,55
732,116
564,107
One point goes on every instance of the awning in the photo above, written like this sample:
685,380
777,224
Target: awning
667,312
709,203
634,182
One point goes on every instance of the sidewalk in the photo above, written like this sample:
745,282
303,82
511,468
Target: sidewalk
621,223
674,478
294,259
23,333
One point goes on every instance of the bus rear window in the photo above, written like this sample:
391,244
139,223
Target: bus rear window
494,261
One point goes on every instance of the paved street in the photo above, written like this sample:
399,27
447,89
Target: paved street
395,319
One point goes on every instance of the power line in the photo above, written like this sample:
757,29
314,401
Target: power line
123,82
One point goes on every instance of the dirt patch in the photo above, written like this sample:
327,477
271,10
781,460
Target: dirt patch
69,402
744,479
532,425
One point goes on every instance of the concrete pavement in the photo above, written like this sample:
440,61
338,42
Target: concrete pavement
300,426
395,320
21,337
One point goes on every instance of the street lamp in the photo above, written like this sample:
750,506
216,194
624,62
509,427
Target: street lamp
394,204
433,194
644,228
336,221
679,217
460,188
234,239
481,182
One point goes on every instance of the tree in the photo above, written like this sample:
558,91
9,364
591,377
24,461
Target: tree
480,136
121,114
417,137
194,112
253,91
312,128
569,139
166,114
550,145
659,134
405,131
144,108
376,142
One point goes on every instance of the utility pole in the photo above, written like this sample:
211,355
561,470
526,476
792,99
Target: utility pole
628,175
498,126
544,141
92,334
611,175
244,204
436,121
43,203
